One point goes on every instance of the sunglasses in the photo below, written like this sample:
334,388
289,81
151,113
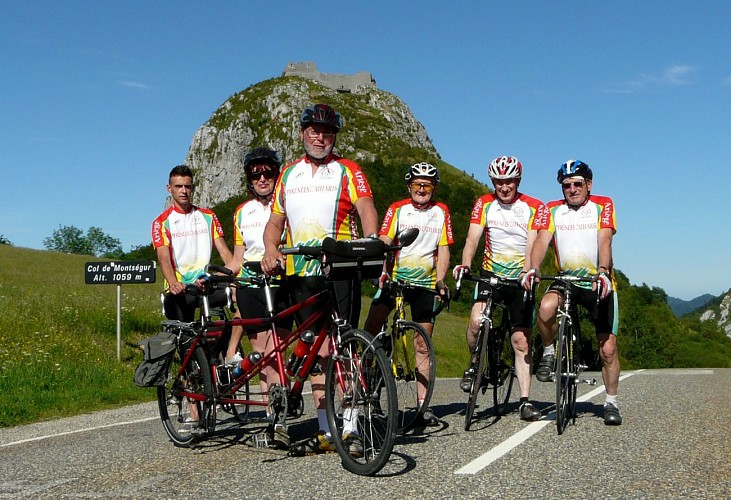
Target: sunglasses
576,184
419,186
268,175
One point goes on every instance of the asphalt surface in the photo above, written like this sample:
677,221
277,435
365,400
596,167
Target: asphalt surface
675,442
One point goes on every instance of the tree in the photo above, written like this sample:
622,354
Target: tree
71,239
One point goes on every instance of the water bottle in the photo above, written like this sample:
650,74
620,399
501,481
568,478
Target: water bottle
307,338
246,363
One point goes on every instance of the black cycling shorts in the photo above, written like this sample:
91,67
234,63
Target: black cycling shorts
252,304
182,307
347,295
522,313
607,315
421,302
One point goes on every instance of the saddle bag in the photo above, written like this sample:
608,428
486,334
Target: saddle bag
352,259
158,352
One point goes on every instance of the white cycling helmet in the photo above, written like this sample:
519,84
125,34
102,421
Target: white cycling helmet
423,169
505,167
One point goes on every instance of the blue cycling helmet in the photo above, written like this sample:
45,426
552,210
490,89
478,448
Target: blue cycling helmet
574,168
322,114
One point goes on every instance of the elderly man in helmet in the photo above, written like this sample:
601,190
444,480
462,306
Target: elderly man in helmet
582,226
505,218
318,195
424,263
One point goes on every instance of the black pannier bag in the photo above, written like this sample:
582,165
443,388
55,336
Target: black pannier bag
158,351
352,259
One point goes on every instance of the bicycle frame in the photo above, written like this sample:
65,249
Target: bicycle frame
208,329
569,365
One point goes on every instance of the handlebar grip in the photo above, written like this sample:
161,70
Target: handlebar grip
211,268
312,251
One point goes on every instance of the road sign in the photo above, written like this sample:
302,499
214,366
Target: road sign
120,272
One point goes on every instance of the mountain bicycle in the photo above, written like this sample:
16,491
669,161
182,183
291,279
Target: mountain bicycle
359,383
493,349
402,341
568,364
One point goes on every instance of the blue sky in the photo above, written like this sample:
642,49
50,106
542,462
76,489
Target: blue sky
100,99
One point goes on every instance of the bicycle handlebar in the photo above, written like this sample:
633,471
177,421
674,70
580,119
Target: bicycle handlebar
402,285
493,281
567,278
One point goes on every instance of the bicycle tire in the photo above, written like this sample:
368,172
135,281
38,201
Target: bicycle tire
575,362
479,382
406,373
373,396
565,386
174,409
501,368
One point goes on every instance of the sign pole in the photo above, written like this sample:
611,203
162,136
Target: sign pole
121,272
119,322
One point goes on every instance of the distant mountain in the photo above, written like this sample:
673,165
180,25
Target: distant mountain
377,124
681,307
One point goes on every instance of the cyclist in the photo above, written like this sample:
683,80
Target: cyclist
183,237
424,263
582,226
505,217
261,168
317,196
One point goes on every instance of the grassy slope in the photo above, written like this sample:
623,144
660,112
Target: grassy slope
58,348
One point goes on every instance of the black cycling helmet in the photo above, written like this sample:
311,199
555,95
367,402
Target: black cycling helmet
574,168
322,114
261,155
257,156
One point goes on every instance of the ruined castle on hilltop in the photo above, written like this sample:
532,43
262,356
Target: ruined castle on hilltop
350,84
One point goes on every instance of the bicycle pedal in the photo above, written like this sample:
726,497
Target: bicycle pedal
261,440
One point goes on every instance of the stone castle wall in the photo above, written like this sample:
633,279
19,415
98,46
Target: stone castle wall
354,84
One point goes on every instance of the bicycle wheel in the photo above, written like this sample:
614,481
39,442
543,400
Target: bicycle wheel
565,386
575,369
182,417
479,383
361,400
408,371
501,368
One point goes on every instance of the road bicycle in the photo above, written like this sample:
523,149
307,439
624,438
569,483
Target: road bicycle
568,362
493,349
358,379
402,340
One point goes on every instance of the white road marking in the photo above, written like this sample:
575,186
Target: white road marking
77,431
520,437
87,429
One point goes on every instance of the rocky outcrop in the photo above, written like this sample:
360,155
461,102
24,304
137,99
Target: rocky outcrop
376,123
720,316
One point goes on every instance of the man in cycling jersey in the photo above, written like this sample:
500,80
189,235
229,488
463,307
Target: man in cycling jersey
424,263
183,237
582,226
261,168
318,195
505,217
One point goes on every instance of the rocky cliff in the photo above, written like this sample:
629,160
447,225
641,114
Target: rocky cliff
720,314
376,124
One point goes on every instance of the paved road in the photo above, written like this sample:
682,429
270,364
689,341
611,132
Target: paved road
675,442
